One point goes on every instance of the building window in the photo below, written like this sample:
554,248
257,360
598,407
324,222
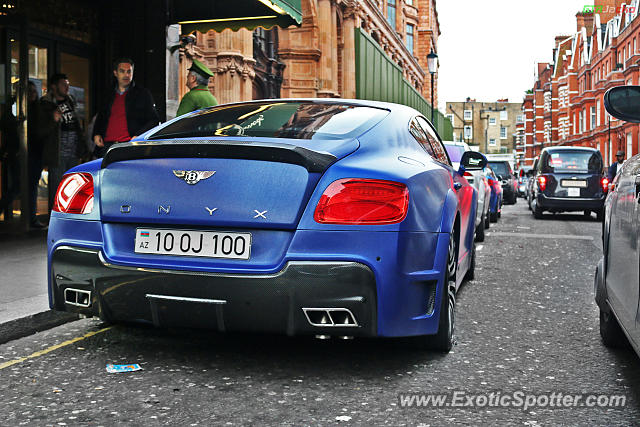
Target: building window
467,114
468,130
593,117
503,115
503,132
520,118
410,38
492,121
391,13
597,112
409,2
450,117
492,141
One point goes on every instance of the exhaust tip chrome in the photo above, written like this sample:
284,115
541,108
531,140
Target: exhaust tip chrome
330,317
77,297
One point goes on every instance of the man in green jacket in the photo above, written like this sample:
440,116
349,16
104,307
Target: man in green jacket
199,96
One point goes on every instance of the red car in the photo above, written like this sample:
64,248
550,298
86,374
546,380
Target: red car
495,204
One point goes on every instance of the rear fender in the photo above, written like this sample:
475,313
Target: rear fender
449,210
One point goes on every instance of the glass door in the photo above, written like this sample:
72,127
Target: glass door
9,141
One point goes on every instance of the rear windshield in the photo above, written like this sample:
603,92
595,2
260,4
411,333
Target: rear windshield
573,161
297,120
455,152
500,168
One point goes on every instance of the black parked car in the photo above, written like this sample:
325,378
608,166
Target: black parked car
617,284
507,178
569,179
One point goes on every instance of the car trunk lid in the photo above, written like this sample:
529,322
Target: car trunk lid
239,184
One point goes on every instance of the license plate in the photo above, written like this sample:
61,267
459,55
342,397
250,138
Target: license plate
212,244
573,183
573,192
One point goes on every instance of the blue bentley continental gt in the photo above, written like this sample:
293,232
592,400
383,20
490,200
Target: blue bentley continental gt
321,217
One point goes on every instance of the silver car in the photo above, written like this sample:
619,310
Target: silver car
478,180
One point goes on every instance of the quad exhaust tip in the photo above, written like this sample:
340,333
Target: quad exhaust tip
330,317
77,297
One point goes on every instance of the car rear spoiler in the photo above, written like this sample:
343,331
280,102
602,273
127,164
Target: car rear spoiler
313,161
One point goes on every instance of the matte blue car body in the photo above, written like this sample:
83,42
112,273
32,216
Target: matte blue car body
402,256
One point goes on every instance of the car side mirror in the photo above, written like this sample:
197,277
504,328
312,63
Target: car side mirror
623,102
472,160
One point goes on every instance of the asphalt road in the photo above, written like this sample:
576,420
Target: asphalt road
527,326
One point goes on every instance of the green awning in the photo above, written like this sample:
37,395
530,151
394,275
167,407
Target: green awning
218,15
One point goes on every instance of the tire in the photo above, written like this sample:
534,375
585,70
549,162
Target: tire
537,212
487,222
610,331
471,272
600,215
480,231
443,339
493,217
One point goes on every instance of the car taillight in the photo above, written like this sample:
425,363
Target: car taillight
604,182
542,182
75,194
363,201
468,176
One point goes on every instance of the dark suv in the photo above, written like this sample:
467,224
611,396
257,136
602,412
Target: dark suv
507,178
569,179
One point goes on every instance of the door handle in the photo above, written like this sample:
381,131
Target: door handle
457,185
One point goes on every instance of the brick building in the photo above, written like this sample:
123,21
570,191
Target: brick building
318,58
565,106
491,126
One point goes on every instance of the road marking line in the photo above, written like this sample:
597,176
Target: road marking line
479,248
541,236
52,348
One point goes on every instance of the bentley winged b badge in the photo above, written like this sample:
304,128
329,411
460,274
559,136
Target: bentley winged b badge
193,177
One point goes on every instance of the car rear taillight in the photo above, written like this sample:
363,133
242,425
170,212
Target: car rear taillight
363,201
542,182
75,194
604,182
468,176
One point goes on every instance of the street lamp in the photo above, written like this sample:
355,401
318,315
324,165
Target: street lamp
432,64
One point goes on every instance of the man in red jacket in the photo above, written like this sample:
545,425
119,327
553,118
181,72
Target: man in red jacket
130,110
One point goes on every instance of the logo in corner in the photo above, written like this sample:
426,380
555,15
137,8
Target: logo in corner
193,177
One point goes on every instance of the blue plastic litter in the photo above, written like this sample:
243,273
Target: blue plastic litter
114,369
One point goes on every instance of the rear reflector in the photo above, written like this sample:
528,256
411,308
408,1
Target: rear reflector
363,201
605,184
75,194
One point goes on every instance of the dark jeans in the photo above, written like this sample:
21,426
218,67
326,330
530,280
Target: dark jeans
55,176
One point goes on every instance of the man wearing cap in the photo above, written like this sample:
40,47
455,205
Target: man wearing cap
615,167
199,96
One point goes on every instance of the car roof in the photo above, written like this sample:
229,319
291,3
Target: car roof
569,147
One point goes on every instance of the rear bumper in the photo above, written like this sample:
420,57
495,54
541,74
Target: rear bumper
570,204
226,302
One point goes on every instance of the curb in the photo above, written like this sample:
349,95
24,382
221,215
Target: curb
29,325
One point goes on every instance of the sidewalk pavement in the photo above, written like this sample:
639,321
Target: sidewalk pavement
24,303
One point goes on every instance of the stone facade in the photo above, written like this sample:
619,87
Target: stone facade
318,58
491,126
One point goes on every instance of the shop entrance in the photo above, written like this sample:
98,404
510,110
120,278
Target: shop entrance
29,59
